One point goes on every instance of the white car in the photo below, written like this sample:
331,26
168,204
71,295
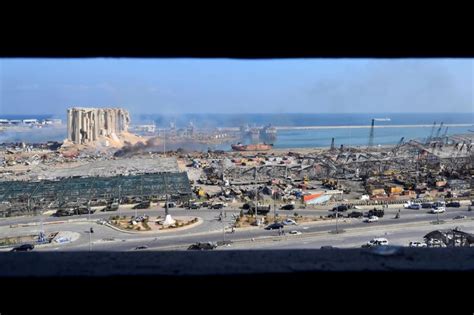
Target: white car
289,222
377,242
417,244
415,206
438,210
295,233
434,242
371,219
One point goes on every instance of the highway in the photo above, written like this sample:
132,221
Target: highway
412,225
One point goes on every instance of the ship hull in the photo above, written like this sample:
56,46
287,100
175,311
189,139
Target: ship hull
252,147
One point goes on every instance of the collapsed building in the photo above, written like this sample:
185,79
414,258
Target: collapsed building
85,125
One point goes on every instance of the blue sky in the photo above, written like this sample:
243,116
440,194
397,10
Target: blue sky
50,86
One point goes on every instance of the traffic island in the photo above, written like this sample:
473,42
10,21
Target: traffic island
145,224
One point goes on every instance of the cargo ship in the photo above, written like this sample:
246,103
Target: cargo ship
252,147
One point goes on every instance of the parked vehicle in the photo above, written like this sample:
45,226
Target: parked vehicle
274,226
414,206
83,210
289,222
417,244
453,204
64,212
113,206
371,219
141,247
355,214
327,247
202,246
376,242
217,206
261,209
459,217
194,205
23,248
143,205
288,207
171,204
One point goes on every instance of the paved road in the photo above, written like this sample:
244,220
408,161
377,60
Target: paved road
108,239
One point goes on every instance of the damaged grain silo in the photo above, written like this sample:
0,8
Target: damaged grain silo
85,125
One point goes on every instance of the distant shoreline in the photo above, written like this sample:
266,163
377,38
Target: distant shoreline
353,127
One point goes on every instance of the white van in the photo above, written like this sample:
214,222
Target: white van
377,242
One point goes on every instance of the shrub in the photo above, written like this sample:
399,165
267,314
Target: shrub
296,214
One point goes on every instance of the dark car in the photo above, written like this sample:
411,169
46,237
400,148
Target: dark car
64,212
217,206
202,246
355,214
328,247
288,207
23,248
205,204
142,205
340,208
141,247
274,226
453,204
376,212
83,210
194,206
336,214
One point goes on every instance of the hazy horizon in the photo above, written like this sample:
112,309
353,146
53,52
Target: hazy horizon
233,86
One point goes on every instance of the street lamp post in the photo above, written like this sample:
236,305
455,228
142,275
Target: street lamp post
256,207
274,204
120,198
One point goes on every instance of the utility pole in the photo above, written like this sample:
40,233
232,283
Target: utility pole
256,206
119,193
274,204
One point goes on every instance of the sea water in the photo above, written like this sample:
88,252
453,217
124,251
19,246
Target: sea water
346,129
